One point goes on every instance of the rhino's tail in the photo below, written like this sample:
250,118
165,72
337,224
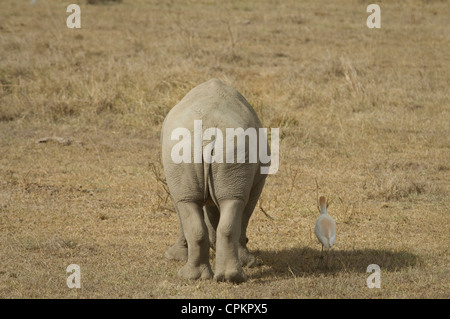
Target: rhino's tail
207,181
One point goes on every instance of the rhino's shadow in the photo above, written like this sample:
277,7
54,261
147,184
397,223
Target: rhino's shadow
305,261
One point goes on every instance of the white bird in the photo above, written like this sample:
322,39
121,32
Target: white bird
325,226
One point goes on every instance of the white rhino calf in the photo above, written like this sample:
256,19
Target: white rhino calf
215,191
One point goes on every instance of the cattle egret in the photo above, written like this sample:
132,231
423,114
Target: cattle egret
325,227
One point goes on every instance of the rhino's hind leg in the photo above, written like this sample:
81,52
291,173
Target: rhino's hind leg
196,233
179,251
212,220
245,257
228,267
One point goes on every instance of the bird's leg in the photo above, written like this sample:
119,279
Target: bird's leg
328,253
321,252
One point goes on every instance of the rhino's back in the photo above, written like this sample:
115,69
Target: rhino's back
216,104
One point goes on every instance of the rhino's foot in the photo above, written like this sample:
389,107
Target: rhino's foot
177,252
229,270
202,271
234,276
245,258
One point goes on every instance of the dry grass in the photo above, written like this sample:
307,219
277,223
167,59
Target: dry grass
365,113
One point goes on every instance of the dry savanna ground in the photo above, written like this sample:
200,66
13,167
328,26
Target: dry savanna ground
363,117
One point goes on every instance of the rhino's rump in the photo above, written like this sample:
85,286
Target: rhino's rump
220,106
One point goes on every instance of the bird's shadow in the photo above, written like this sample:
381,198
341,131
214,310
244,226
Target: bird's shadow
305,261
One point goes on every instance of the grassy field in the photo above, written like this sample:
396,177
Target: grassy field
363,116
